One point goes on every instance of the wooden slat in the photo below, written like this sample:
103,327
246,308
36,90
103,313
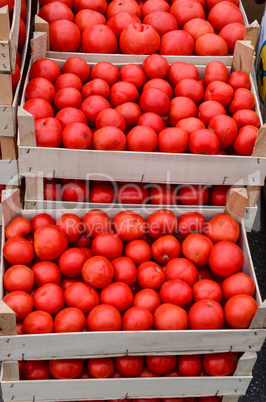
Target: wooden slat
260,144
230,398
114,388
4,40
236,203
7,320
259,321
10,371
26,128
34,188
11,205
42,26
243,56
253,195
39,44
7,126
8,148
246,364
252,32
6,96
9,172
14,31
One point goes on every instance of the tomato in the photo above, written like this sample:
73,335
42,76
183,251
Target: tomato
246,117
122,92
154,100
243,99
161,222
45,68
108,245
129,226
97,5
207,289
38,322
150,6
155,65
118,295
92,105
226,258
96,221
41,219
46,272
161,21
219,195
215,70
51,191
98,38
150,275
197,27
105,71
97,272
70,115
104,318
185,10
177,292
110,117
148,373
138,251
87,17
18,250
190,88
77,136
163,194
239,79
225,128
19,226
231,33
220,92
179,70
129,366
76,65
40,87
139,39
36,370
191,222
224,13
95,87
219,364
142,138
240,310
189,365
183,269
129,6
197,248
22,33
71,225
161,365
209,109
170,317
177,43
101,367
20,302
121,20
165,248
245,140
152,120
67,97
172,140
66,368
39,108
131,112
210,44
211,3
49,298
64,36
132,193
222,227
137,318
102,192
18,277
81,296
204,141
238,283
48,132
70,319
206,314
83,241
56,10
75,191
159,83
148,298
181,107
193,195
71,262
124,270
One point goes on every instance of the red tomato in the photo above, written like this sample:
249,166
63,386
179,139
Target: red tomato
71,262
122,92
87,17
161,365
97,272
66,368
129,6
246,117
68,80
204,141
150,6
155,65
81,296
148,298
197,248
56,10
36,370
38,322
219,195
131,112
239,79
245,140
209,399
75,191
222,227
92,105
70,319
197,27
179,70
121,20
20,302
142,139
220,92
206,314
40,87
96,221
137,318
110,117
155,100
108,245
102,192
49,298
231,33
118,295
77,136
243,99
226,258
207,289
104,318
129,366
165,248
190,124
219,364
161,222
129,226
225,128
183,269
124,270
83,241
191,222
193,195
210,44
18,250
71,224
177,43
150,275
185,10
207,110
105,71
172,140
51,191
177,292
189,365
132,193
224,13
97,5
238,283
15,78
22,33
215,70
161,21
152,120
240,310
181,107
46,272
19,226
45,68
163,194
48,132
98,38
159,83
39,108
76,65
211,3
67,97
18,277
64,36
101,367
70,115
139,39
190,88
138,251
170,317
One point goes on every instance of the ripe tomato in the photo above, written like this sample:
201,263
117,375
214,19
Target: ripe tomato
226,258
97,272
191,222
224,127
39,108
124,270
36,370
154,100
161,365
49,298
186,10
138,251
152,120
18,277
142,138
71,225
45,68
207,289
38,322
121,20
122,92
118,295
76,65
19,226
110,117
150,6
98,38
20,302
189,365
67,97
163,194
102,192
215,70
101,367
97,5
108,245
183,269
139,39
105,71
181,107
179,70
246,117
239,79
206,314
131,112
75,191
48,132
211,3
240,310
137,318
77,136
224,13
92,105
220,92
231,33
161,21
161,222
129,226
238,283
219,195
148,298
132,193
116,7
104,318
96,221
70,319
71,261
155,65
177,292
87,17
81,296
219,364
69,115
170,317
243,99
64,36
197,248
222,227
177,43
165,248
18,250
209,109
54,11
51,191
190,88
193,195
129,366
197,27
40,87
66,368
211,44
150,275
46,272
172,140
245,140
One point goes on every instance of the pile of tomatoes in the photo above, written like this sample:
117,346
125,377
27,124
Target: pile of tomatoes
153,108
178,27
92,274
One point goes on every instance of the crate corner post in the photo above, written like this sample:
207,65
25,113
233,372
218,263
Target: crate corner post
236,203
7,320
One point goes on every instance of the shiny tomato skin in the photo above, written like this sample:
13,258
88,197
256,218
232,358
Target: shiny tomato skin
36,370
18,277
96,221
177,43
170,317
139,39
101,367
142,139
97,5
105,71
150,275
70,115
115,7
119,21
204,141
43,248
132,193
190,88
76,65
97,272
211,44
19,226
154,100
129,366
246,117
98,39
138,251
184,11
102,192
155,66
220,92
222,227
207,289
45,68
20,302
81,296
131,112
206,314
161,21
137,318
71,225
77,136
225,128
48,132
150,6
87,17
240,310
190,222
133,74
223,13
118,295
209,109
219,364
129,226
219,195
40,87
64,36
71,261
231,33
197,248
243,99
163,194
67,97
74,191
122,92
18,250
124,270
193,195
189,365
238,283
104,318
245,140
172,140
39,108
152,120
148,298
165,248
161,365
181,107
239,79
49,298
66,368
161,222
226,258
110,117
180,70
215,70
108,245
69,319
177,292
197,27
92,105
183,269
109,138
38,322
54,11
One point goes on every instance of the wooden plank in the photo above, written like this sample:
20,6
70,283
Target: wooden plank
246,364
142,343
260,144
252,33
6,95
8,148
243,56
7,320
7,126
34,188
11,205
253,195
10,371
9,172
39,44
120,388
236,203
14,31
230,398
4,42
259,321
26,128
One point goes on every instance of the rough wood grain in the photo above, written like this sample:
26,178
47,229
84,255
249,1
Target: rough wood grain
7,320
236,203
243,56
